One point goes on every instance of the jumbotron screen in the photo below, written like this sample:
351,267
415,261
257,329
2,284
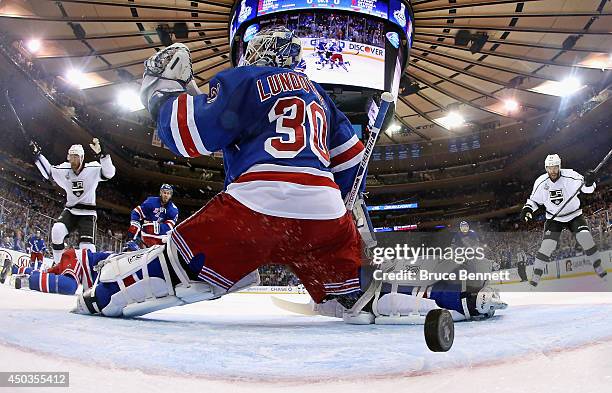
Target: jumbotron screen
393,10
335,48
359,48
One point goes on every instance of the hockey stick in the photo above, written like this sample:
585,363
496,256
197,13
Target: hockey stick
19,123
24,133
597,169
386,100
294,307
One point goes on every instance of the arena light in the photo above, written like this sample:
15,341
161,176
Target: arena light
128,100
564,88
572,85
511,105
76,78
33,45
394,127
451,121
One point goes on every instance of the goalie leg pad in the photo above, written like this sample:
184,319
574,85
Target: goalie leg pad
140,282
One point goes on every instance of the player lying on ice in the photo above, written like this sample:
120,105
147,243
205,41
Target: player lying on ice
408,302
290,157
75,267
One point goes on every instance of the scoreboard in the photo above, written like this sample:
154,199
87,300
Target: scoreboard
353,48
371,7
394,11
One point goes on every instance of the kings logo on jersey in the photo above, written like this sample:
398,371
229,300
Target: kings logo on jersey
77,188
556,196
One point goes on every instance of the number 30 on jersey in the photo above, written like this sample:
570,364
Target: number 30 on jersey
290,115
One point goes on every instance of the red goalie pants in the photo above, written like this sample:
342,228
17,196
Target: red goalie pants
233,240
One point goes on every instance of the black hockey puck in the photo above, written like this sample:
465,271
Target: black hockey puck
18,283
439,330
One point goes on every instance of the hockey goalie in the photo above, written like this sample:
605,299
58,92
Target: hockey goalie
290,158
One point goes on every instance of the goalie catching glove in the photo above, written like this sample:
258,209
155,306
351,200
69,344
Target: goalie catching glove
167,73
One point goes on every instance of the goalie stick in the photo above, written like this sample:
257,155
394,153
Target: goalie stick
385,103
596,170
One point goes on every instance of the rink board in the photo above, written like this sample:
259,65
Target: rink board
565,268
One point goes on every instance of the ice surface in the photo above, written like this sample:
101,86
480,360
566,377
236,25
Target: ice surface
548,341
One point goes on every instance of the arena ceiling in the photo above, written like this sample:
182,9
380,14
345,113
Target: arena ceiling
522,61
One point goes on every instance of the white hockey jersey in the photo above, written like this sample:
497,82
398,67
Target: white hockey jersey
554,194
80,189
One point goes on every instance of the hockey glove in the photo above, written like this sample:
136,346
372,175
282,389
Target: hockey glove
131,246
589,178
36,150
96,147
167,74
526,214
133,230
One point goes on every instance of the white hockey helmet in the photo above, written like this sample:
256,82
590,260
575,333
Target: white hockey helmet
488,300
552,160
76,150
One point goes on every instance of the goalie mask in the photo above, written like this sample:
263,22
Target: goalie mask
273,47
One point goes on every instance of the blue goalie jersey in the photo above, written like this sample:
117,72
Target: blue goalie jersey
288,151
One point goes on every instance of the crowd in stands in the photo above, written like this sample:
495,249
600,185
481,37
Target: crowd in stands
277,275
176,169
438,173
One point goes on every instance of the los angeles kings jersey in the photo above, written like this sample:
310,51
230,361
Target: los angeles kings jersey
80,188
553,194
